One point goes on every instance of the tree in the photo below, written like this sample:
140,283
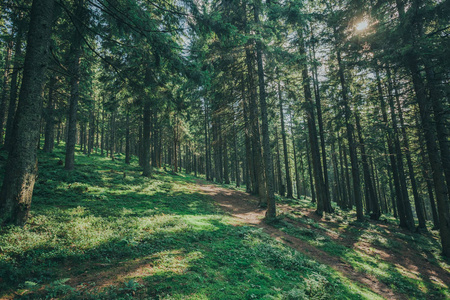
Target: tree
17,189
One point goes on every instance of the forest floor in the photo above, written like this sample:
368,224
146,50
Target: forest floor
385,247
105,232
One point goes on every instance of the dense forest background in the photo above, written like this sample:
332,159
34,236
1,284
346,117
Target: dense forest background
342,102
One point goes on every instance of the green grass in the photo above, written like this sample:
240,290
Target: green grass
105,232
400,280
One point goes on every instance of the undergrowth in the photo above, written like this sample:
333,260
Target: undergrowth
340,238
103,231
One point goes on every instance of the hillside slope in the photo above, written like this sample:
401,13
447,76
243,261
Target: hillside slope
105,232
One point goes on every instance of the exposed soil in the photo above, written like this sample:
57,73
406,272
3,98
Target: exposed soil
245,208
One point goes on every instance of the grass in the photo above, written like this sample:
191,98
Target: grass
105,232
328,237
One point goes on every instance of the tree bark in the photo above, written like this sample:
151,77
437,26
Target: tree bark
127,139
403,206
373,205
75,56
285,149
207,147
268,164
351,142
49,141
281,189
323,203
433,155
14,84
21,167
146,139
5,89
236,156
420,211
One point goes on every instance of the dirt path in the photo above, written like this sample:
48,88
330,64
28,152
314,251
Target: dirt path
245,208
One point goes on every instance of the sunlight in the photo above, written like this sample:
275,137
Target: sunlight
362,25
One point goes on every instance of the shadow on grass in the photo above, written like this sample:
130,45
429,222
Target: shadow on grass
211,259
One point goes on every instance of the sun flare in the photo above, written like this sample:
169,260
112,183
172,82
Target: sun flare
362,25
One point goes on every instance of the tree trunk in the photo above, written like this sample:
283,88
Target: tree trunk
348,204
112,136
315,80
281,190
373,205
5,89
236,156
271,206
252,180
285,150
403,205
323,203
258,169
351,142
147,171
311,178
91,132
297,177
14,85
127,139
433,156
21,166
75,56
224,157
49,141
420,211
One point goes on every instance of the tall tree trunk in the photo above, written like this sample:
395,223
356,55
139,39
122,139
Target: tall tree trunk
21,166
127,139
75,56
102,140
49,141
91,132
268,164
258,168
252,180
175,145
154,138
337,182
112,136
297,177
226,175
236,156
310,173
14,84
315,80
348,200
207,148
433,156
147,170
5,89
323,203
351,142
285,150
440,118
403,205
281,190
420,211
373,205
412,63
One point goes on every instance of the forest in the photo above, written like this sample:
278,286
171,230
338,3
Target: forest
224,149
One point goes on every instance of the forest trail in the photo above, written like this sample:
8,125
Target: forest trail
245,208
